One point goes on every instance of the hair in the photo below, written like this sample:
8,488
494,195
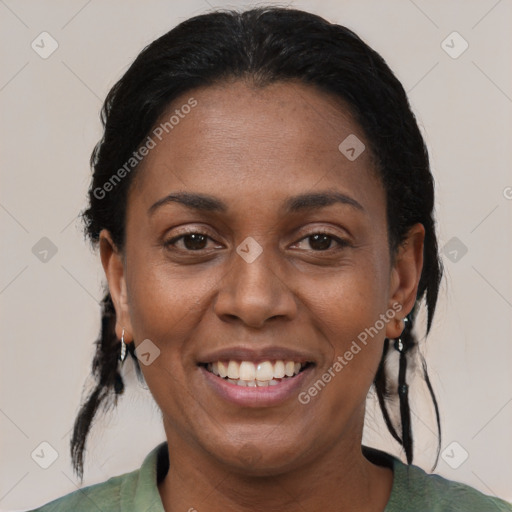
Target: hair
265,45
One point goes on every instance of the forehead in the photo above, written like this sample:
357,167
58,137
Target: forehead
241,142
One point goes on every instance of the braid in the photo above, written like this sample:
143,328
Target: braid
109,383
405,343
408,344
380,383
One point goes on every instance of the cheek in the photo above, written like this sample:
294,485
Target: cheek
167,306
166,309
164,302
348,301
349,311
353,335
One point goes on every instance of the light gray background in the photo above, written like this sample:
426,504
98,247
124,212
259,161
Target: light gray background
49,310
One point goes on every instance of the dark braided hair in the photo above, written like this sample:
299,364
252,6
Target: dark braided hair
264,45
109,383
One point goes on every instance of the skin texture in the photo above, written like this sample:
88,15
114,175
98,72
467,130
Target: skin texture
253,148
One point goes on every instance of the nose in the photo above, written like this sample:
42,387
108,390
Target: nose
253,293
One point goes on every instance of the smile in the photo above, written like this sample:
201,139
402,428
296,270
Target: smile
250,374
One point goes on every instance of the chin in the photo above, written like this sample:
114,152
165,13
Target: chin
260,457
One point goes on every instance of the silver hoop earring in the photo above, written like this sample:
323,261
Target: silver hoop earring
122,355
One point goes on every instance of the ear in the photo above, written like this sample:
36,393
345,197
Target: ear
405,276
114,268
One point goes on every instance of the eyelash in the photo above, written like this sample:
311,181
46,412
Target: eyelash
342,243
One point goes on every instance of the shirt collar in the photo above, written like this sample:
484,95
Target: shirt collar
144,495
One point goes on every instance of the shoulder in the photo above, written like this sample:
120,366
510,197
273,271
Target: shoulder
413,487
136,490
105,496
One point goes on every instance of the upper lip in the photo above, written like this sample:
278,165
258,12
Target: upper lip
241,353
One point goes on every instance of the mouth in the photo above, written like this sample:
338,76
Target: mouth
267,376
256,374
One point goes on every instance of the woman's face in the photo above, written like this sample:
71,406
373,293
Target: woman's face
255,246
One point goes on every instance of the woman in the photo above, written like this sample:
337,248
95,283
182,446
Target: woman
263,206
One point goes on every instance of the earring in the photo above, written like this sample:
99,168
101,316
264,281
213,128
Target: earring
402,348
118,380
399,345
122,356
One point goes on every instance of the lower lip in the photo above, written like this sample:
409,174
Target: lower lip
256,396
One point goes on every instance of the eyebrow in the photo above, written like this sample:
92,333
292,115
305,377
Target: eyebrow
319,200
200,202
204,202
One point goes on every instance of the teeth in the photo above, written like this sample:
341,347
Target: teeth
246,373
265,371
233,370
223,369
279,372
247,370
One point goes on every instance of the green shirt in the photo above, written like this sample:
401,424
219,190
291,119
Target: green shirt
413,490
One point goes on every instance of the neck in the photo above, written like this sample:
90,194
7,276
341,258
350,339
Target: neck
341,479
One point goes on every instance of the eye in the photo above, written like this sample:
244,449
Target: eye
323,242
196,241
192,241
